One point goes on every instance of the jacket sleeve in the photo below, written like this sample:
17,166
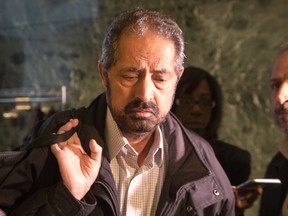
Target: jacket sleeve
55,200
30,189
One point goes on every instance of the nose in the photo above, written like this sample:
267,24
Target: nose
195,108
144,89
282,95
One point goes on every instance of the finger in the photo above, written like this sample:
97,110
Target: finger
254,196
238,200
260,189
68,126
74,122
96,150
235,191
245,204
55,148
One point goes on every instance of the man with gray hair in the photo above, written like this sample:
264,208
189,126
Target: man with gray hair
130,156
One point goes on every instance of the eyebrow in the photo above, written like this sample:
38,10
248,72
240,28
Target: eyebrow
161,71
131,69
274,79
139,70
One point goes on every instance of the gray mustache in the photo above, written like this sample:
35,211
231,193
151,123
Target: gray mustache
136,104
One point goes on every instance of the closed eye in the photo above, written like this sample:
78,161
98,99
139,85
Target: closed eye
160,76
160,80
130,78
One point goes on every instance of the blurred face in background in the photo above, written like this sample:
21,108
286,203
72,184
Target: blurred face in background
279,91
194,109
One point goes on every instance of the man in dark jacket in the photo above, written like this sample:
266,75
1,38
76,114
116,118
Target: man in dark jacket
130,156
275,200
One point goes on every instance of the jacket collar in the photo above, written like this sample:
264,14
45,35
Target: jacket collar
183,158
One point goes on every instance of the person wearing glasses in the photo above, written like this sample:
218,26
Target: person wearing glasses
198,105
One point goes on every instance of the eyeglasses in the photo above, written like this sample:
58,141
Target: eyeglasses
203,103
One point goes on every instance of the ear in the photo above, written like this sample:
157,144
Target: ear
102,73
180,72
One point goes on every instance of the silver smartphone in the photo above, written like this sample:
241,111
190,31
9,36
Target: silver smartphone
253,184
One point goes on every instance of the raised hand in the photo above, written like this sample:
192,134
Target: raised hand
78,170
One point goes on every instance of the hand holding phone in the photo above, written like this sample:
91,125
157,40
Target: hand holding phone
248,192
253,184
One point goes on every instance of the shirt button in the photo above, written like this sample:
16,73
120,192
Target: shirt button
216,192
189,208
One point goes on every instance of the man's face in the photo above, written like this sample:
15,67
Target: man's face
142,82
279,91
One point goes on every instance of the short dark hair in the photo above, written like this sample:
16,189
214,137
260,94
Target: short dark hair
191,79
137,22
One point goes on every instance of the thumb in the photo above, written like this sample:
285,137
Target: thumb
96,150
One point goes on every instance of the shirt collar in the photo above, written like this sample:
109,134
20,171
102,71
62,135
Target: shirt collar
114,137
116,141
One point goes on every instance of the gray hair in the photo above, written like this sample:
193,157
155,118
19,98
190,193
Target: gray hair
282,49
137,22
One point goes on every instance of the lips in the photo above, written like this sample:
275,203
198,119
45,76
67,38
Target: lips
282,116
142,112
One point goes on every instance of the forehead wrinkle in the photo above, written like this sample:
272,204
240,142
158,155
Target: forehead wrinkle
148,59
142,62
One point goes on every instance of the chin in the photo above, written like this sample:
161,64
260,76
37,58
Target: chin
196,127
197,130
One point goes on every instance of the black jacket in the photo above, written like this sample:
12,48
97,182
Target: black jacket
273,198
195,183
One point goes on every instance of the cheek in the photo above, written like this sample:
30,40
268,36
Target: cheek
207,118
273,104
274,98
118,98
182,112
184,118
164,102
